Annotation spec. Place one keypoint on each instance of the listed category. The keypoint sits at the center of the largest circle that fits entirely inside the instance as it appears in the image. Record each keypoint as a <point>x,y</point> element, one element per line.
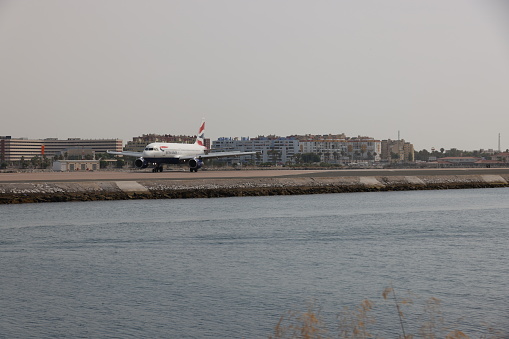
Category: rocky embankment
<point>16,192</point>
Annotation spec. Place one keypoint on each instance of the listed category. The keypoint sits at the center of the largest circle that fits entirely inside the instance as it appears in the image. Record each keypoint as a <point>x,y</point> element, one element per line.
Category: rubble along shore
<point>34,192</point>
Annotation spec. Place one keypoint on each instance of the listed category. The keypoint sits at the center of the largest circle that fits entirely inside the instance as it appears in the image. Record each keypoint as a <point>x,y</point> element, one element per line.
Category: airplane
<point>159,153</point>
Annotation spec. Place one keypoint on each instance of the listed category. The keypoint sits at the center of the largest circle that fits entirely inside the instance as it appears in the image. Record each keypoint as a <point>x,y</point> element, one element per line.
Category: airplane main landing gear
<point>157,169</point>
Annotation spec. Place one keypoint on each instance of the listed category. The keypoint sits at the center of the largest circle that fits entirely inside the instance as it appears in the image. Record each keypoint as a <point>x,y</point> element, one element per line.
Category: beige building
<point>340,149</point>
<point>75,165</point>
<point>13,149</point>
<point>397,151</point>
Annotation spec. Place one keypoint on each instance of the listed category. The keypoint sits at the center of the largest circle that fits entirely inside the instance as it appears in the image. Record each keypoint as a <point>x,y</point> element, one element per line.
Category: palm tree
<point>274,155</point>
<point>298,158</point>
<point>357,154</point>
<point>22,162</point>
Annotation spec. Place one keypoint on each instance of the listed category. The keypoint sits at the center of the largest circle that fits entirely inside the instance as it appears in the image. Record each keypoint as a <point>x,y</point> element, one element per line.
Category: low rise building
<point>75,165</point>
<point>458,160</point>
<point>469,162</point>
<point>502,157</point>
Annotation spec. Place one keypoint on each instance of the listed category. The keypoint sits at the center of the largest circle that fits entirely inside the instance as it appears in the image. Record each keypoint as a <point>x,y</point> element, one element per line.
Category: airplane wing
<point>217,155</point>
<point>129,154</point>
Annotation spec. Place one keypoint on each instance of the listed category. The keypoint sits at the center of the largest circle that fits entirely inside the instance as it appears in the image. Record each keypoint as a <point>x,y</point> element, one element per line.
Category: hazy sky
<point>436,70</point>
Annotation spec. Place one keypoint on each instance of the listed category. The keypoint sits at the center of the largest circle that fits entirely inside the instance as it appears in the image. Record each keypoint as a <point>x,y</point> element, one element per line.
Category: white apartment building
<point>334,149</point>
<point>339,151</point>
<point>271,149</point>
<point>364,148</point>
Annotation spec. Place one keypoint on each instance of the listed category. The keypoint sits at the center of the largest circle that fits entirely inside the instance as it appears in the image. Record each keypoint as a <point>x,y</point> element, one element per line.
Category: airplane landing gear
<point>157,169</point>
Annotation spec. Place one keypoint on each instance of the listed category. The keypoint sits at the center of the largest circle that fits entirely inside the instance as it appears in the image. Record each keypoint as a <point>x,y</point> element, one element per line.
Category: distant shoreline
<point>96,186</point>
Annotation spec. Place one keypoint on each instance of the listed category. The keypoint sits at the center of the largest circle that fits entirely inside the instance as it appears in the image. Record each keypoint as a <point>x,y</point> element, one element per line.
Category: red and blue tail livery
<point>201,135</point>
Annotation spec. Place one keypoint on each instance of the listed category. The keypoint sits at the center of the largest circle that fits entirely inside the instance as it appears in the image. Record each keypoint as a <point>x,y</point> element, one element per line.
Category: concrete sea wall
<point>32,192</point>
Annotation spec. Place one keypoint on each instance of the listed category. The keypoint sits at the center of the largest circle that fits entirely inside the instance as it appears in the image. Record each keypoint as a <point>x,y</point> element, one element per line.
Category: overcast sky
<point>435,70</point>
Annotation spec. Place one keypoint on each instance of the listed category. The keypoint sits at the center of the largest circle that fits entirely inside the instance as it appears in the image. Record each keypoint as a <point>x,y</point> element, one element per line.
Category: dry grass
<point>307,325</point>
<point>358,323</point>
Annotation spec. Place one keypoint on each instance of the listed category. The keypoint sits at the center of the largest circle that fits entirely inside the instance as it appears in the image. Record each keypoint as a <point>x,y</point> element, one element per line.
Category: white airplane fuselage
<point>171,153</point>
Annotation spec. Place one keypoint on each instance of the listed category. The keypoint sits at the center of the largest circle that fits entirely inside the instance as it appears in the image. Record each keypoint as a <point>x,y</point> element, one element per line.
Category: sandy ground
<point>180,175</point>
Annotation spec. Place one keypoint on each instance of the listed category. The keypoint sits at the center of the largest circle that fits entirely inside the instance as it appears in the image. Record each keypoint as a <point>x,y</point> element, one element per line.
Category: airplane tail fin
<point>200,138</point>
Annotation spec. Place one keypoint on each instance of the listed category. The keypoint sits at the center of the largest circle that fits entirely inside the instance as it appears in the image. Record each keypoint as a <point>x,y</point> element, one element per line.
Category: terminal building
<point>16,149</point>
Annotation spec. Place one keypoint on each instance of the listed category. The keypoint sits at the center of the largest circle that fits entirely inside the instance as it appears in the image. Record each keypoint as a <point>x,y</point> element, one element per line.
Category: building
<point>397,151</point>
<point>270,149</point>
<point>364,148</point>
<point>138,143</point>
<point>498,160</point>
<point>503,157</point>
<point>458,161</point>
<point>487,151</point>
<point>75,165</point>
<point>16,149</point>
<point>334,149</point>
<point>338,149</point>
<point>331,148</point>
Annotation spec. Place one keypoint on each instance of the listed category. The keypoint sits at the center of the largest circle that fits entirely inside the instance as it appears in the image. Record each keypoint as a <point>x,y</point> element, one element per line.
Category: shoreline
<point>62,187</point>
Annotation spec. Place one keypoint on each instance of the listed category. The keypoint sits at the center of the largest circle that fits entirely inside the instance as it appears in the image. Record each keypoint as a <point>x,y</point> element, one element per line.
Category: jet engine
<point>195,164</point>
<point>141,163</point>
